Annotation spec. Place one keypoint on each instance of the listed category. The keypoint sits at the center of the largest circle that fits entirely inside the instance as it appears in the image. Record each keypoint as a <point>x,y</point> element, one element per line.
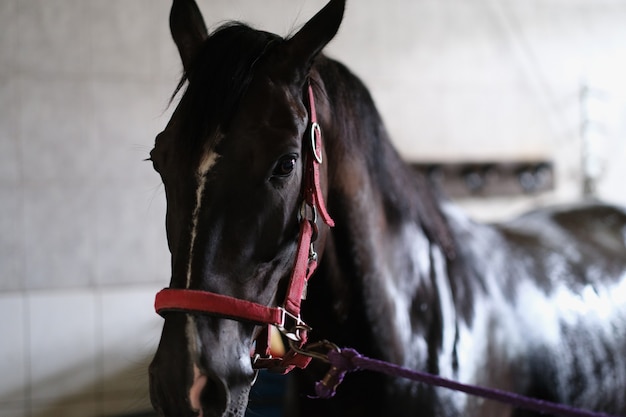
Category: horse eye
<point>284,166</point>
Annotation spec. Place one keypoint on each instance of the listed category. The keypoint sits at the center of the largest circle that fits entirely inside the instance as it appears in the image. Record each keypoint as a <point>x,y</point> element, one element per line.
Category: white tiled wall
<point>83,91</point>
<point>14,354</point>
<point>84,86</point>
<point>80,352</point>
<point>59,321</point>
<point>82,95</point>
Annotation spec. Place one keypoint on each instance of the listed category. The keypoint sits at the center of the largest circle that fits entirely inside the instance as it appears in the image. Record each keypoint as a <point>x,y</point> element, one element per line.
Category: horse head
<point>232,161</point>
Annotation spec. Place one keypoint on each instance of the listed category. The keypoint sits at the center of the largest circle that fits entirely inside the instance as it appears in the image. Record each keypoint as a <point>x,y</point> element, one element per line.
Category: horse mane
<point>407,193</point>
<point>219,76</point>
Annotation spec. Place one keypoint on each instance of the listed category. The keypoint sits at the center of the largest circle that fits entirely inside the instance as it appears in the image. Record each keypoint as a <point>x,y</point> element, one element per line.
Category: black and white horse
<point>536,306</point>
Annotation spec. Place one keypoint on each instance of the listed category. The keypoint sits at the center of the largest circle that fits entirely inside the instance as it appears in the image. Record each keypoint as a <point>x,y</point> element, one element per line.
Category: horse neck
<point>375,200</point>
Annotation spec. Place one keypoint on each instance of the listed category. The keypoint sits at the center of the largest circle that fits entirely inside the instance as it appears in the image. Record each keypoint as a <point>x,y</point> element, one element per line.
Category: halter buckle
<point>292,326</point>
<point>307,212</point>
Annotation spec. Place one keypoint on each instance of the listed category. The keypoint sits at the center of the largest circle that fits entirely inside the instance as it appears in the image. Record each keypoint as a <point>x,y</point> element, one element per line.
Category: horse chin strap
<point>286,317</point>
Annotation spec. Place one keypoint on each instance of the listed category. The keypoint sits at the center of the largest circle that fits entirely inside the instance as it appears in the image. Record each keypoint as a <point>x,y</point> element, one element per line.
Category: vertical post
<point>593,133</point>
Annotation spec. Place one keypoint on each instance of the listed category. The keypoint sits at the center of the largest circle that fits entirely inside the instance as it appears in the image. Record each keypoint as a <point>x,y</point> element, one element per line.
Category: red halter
<point>286,317</point>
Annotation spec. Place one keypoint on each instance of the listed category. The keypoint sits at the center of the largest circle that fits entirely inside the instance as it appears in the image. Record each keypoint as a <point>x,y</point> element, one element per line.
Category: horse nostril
<point>195,392</point>
<point>208,394</point>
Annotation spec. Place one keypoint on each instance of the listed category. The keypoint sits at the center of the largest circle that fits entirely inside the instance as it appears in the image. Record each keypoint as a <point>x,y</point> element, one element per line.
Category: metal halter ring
<point>316,131</point>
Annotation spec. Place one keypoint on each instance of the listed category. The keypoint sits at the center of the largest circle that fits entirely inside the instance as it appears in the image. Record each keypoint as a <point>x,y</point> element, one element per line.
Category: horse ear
<point>308,42</point>
<point>188,29</point>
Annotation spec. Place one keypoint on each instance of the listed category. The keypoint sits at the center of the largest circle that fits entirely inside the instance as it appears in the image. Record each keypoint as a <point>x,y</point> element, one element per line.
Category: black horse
<point>536,306</point>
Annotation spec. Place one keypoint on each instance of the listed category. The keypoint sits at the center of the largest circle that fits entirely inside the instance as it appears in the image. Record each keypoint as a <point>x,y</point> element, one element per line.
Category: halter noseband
<point>286,317</point>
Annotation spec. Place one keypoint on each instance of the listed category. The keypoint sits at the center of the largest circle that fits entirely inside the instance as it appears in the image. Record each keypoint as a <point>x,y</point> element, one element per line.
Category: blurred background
<point>84,89</point>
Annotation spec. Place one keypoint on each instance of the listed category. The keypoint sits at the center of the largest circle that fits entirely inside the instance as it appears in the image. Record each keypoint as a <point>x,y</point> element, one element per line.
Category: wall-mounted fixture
<point>489,178</point>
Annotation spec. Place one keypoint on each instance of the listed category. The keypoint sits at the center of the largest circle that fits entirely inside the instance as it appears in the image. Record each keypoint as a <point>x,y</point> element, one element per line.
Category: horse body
<point>551,305</point>
<point>535,306</point>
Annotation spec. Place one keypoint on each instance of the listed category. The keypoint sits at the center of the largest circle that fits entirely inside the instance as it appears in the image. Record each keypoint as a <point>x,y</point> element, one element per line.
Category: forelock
<point>219,77</point>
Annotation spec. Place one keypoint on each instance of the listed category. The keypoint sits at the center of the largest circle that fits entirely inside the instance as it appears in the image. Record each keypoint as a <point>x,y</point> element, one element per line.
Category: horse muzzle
<point>203,394</point>
<point>206,380</point>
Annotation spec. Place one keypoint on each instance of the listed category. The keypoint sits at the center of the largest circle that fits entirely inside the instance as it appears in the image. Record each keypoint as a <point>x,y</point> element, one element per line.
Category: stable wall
<point>84,86</point>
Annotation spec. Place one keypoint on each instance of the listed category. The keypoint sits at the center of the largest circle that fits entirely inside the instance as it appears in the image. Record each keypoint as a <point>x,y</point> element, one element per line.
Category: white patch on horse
<point>207,162</point>
<point>448,313</point>
<point>494,321</point>
<point>594,314</point>
<point>199,380</point>
<point>401,288</point>
<point>194,345</point>
<point>425,258</point>
<point>414,259</point>
<point>594,307</point>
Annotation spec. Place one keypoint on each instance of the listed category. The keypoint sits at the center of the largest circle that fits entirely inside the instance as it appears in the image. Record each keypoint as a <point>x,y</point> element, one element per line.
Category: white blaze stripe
<point>208,160</point>
<point>206,163</point>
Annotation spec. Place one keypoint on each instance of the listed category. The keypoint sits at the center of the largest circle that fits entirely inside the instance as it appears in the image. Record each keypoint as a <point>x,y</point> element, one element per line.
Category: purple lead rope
<point>349,360</point>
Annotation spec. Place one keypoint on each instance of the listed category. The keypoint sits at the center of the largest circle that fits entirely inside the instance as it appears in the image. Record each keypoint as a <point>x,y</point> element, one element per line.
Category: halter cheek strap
<point>286,317</point>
